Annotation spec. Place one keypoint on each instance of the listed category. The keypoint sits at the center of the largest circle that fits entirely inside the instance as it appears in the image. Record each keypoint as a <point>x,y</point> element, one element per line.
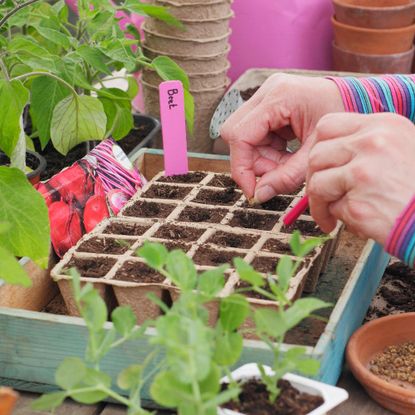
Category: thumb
<point>285,178</point>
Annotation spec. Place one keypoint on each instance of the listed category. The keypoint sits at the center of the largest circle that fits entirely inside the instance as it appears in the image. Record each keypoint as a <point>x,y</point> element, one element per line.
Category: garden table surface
<point>359,403</point>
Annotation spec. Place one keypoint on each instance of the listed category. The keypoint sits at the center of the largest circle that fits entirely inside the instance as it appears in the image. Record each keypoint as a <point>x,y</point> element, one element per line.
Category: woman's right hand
<point>285,107</point>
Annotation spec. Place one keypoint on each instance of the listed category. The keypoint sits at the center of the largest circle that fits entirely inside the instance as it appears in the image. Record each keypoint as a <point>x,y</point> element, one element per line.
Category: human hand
<point>361,171</point>
<point>285,107</point>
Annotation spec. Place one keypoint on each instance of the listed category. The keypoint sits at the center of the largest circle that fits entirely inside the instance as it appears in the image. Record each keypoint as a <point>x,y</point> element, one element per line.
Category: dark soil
<point>222,181</point>
<point>253,220</point>
<point>254,294</point>
<point>254,400</point>
<point>167,192</point>
<point>396,293</point>
<point>248,93</point>
<point>278,203</point>
<point>193,177</point>
<point>276,247</point>
<point>181,233</point>
<point>233,240</point>
<point>305,227</point>
<point>92,268</point>
<point>265,264</point>
<point>56,306</point>
<point>125,228</point>
<point>135,136</point>
<point>171,245</point>
<point>214,197</point>
<point>149,210</point>
<point>195,214</point>
<point>134,271</point>
<point>105,246</point>
<point>213,257</point>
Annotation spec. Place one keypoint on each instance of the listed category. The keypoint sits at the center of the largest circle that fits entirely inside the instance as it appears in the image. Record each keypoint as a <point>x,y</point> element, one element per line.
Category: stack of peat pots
<point>201,49</point>
<point>373,36</point>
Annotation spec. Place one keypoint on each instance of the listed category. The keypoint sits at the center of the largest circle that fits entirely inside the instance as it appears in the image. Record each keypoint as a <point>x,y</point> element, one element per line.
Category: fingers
<point>339,125</point>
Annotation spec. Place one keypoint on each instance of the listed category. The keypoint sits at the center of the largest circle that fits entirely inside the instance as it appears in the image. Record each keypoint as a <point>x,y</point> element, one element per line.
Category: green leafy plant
<point>58,67</point>
<point>271,325</point>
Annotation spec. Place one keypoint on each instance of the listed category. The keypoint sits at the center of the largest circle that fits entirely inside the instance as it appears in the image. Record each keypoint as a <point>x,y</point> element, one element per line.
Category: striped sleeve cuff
<point>388,93</point>
<point>401,241</point>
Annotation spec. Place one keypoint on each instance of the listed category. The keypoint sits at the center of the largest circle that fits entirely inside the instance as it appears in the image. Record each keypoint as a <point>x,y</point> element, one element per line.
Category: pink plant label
<point>173,128</point>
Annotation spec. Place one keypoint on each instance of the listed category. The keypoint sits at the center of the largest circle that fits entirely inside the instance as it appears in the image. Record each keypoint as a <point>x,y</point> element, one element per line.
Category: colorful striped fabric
<point>388,93</point>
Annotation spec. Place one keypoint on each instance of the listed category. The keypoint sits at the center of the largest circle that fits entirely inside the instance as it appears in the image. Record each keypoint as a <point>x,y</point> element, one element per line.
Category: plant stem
<point>4,69</point>
<point>15,10</point>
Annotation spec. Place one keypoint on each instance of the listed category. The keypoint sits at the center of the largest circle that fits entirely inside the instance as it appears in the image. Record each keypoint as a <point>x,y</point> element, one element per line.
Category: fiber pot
<point>373,41</point>
<point>171,45</point>
<point>344,60</point>
<point>373,338</point>
<point>348,12</point>
<point>332,395</point>
<point>379,3</point>
<point>34,161</point>
<point>202,11</point>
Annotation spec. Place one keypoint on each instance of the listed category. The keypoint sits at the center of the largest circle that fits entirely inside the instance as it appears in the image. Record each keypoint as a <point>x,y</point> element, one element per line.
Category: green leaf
<point>155,254</point>
<point>120,50</point>
<point>309,367</point>
<point>228,348</point>
<point>77,119</point>
<point>234,309</point>
<point>13,98</point>
<point>48,401</point>
<point>211,282</point>
<point>70,373</point>
<point>285,271</point>
<point>94,57</point>
<point>167,391</point>
<point>54,36</point>
<point>189,108</point>
<point>124,320</point>
<point>169,70</point>
<point>295,243</point>
<point>181,270</point>
<point>24,209</point>
<point>270,322</point>
<point>11,271</point>
<point>130,377</point>
<point>46,93</point>
<point>310,244</point>
<point>248,274</point>
<point>93,378</point>
<point>93,310</point>
<point>132,90</point>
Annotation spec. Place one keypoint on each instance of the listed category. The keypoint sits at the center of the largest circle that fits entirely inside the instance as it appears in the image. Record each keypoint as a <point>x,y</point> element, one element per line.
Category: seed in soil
<point>277,203</point>
<point>167,192</point>
<point>134,271</point>
<point>213,197</point>
<point>252,220</point>
<point>192,177</point>
<point>92,268</point>
<point>222,180</point>
<point>307,228</point>
<point>396,364</point>
<point>112,246</point>
<point>195,214</point>
<point>126,228</point>
<point>213,257</point>
<point>233,240</point>
<point>254,400</point>
<point>276,246</point>
<point>182,233</point>
<point>149,210</point>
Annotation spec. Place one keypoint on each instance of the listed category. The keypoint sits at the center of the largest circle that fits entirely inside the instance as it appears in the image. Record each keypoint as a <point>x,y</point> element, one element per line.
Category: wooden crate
<point>32,344</point>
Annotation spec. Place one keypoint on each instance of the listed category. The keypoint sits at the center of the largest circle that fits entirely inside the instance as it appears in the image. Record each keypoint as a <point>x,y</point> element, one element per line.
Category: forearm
<point>401,241</point>
<point>388,93</point>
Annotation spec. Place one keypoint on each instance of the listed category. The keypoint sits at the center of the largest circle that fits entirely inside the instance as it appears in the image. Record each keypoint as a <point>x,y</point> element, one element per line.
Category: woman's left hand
<point>362,172</point>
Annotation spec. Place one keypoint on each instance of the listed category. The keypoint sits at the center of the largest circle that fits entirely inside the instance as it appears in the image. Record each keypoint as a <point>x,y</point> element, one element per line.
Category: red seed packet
<point>92,189</point>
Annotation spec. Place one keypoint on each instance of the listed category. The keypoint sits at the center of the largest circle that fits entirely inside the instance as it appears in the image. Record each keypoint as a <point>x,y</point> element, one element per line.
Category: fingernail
<point>264,193</point>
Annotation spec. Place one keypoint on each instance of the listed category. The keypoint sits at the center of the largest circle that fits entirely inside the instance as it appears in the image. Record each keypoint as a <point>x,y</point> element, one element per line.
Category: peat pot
<point>373,338</point>
<point>202,10</point>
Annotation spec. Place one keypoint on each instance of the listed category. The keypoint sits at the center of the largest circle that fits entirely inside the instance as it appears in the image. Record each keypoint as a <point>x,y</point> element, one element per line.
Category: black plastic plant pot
<point>34,161</point>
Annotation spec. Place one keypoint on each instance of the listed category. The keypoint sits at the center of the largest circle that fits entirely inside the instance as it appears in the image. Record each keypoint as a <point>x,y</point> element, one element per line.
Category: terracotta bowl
<point>377,3</point>
<point>373,338</point>
<point>373,41</point>
<point>374,17</point>
<point>344,60</point>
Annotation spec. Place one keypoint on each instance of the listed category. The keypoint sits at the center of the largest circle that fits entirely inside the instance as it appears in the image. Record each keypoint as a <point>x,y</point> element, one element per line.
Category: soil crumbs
<point>253,220</point>
<point>278,203</point>
<point>276,246</point>
<point>307,228</point>
<point>92,268</point>
<point>124,228</point>
<point>213,197</point>
<point>222,181</point>
<point>192,177</point>
<point>233,240</point>
<point>212,257</point>
<point>182,233</point>
<point>105,246</point>
<point>254,400</point>
<point>195,214</point>
<point>167,192</point>
<point>134,271</point>
<point>396,364</point>
<point>149,210</point>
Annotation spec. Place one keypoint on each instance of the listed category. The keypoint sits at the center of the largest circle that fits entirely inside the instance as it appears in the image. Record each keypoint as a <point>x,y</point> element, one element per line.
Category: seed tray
<point>207,212</point>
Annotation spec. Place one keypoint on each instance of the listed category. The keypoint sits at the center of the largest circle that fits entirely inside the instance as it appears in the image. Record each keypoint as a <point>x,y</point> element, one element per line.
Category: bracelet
<point>401,240</point>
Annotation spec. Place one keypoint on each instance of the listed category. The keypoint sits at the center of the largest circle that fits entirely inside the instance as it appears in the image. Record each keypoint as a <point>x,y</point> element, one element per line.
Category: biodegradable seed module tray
<point>205,215</point>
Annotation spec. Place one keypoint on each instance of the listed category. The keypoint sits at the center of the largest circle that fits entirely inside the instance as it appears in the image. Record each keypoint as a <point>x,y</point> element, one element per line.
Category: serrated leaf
<point>234,309</point>
<point>70,373</point>
<point>130,377</point>
<point>24,209</point>
<point>247,273</point>
<point>11,271</point>
<point>155,254</point>
<point>48,401</point>
<point>46,93</point>
<point>124,320</point>
<point>13,98</point>
<point>75,120</point>
<point>94,57</point>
